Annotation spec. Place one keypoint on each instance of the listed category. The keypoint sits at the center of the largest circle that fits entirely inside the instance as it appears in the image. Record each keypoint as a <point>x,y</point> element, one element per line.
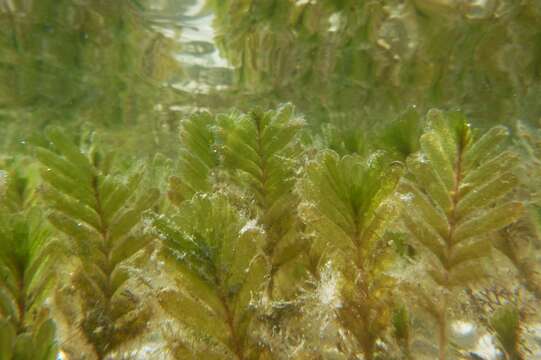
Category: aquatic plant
<point>26,329</point>
<point>80,61</point>
<point>250,157</point>
<point>27,271</point>
<point>221,271</point>
<point>273,242</point>
<point>197,158</point>
<point>99,213</point>
<point>260,152</point>
<point>347,209</point>
<point>506,324</point>
<point>343,61</point>
<point>351,227</point>
<point>457,194</point>
<point>401,322</point>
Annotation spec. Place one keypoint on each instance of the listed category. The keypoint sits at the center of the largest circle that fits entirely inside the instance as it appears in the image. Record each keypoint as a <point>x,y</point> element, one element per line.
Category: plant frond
<point>222,272</point>
<point>457,194</point>
<point>346,202</point>
<point>458,190</point>
<point>261,151</point>
<point>506,323</point>
<point>27,277</point>
<point>100,213</point>
<point>197,158</point>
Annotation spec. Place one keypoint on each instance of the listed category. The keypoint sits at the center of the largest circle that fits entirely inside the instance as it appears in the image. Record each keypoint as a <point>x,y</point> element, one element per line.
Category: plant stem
<point>442,330</point>
<point>237,345</point>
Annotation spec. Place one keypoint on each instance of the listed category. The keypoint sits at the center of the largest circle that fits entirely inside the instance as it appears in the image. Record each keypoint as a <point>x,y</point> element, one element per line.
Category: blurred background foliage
<point>73,61</point>
<point>142,63</point>
<point>365,60</point>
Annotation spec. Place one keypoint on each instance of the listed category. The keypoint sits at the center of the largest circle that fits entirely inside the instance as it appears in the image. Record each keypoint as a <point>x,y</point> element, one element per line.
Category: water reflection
<point>190,25</point>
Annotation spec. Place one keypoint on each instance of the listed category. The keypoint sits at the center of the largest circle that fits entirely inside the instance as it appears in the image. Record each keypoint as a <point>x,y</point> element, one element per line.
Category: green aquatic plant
<point>457,195</point>
<point>260,180</point>
<point>260,152</point>
<point>81,60</point>
<point>506,323</point>
<point>347,209</point>
<point>273,242</point>
<point>516,243</point>
<point>217,253</point>
<point>27,273</point>
<point>401,136</point>
<point>340,60</point>
<point>99,212</point>
<point>19,179</point>
<point>197,158</point>
<point>344,140</point>
<point>401,323</point>
<point>26,330</point>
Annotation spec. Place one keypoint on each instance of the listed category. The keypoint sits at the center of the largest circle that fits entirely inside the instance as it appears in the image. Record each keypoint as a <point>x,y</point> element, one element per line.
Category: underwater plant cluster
<point>160,197</point>
<point>260,239</point>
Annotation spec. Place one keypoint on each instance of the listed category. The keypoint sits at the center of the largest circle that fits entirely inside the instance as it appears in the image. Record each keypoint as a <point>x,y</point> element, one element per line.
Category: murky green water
<point>117,63</point>
<point>86,81</point>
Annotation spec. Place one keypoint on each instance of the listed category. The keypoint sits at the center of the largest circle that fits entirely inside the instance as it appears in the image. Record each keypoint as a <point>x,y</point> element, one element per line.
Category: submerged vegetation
<point>270,244</point>
<point>144,217</point>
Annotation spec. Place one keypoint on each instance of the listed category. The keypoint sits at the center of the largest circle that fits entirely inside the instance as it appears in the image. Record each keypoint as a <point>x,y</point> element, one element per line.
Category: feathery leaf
<point>457,193</point>
<point>99,212</point>
<point>220,267</point>
<point>346,205</point>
